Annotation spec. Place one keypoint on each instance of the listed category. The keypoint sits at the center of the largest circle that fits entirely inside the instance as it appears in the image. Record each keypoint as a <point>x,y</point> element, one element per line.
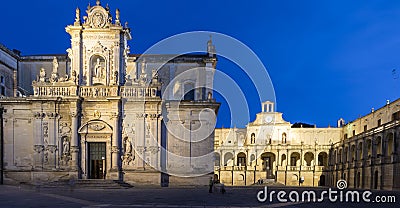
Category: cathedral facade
<point>99,112</point>
<point>270,150</point>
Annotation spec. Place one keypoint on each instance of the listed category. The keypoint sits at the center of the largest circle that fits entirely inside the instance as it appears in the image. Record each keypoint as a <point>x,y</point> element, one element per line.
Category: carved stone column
<point>74,141</point>
<point>115,143</point>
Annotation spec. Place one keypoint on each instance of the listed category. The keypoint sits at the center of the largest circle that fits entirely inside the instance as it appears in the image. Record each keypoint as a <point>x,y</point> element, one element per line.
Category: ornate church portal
<point>96,143</point>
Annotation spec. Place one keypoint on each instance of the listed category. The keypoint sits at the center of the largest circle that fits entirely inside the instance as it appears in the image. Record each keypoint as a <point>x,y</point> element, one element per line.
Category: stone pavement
<point>14,196</point>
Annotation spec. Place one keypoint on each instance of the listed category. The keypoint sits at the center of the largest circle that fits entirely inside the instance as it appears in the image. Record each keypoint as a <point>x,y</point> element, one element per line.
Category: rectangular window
<point>365,128</point>
<point>345,136</point>
<point>379,122</point>
<point>354,132</point>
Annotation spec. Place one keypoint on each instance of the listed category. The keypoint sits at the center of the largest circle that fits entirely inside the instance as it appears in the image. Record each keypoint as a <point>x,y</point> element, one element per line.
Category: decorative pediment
<point>95,126</point>
<point>98,16</point>
<point>98,48</point>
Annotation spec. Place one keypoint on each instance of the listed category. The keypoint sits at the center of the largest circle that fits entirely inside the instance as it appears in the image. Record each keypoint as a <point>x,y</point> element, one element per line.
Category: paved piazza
<point>14,196</point>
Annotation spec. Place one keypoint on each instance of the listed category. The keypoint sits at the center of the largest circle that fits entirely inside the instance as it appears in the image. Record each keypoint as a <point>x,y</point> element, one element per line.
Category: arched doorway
<point>268,159</point>
<point>322,180</point>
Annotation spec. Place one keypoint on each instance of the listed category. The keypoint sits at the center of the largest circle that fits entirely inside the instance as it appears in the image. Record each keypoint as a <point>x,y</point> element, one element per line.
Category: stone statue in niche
<point>128,146</point>
<point>115,77</point>
<point>128,157</point>
<point>98,69</point>
<point>65,145</point>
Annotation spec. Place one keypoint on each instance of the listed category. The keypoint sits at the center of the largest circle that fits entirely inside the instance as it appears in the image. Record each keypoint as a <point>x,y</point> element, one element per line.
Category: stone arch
<point>268,163</point>
<point>217,159</point>
<point>322,159</point>
<point>360,151</point>
<point>345,154</point>
<point>228,158</point>
<point>378,146</point>
<point>340,155</point>
<point>369,147</point>
<point>283,159</point>
<point>353,152</point>
<point>390,144</point>
<point>294,159</point>
<point>309,158</point>
<point>241,159</point>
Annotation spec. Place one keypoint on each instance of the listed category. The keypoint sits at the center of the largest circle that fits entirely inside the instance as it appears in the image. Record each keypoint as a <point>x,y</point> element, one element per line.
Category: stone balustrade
<point>54,91</point>
<point>138,92</point>
<point>94,91</point>
<point>98,91</point>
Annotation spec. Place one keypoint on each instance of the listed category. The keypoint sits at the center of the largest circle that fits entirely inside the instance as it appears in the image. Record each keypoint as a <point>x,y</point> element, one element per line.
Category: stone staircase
<point>87,184</point>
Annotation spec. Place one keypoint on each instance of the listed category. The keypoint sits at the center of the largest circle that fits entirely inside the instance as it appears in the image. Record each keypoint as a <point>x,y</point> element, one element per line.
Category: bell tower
<point>99,47</point>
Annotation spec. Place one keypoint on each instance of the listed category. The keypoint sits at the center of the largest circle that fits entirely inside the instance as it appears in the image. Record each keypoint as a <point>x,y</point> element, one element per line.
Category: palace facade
<point>364,152</point>
<point>99,112</point>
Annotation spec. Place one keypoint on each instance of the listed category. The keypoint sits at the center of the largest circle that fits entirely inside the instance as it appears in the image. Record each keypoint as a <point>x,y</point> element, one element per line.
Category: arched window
<point>294,158</point>
<point>241,159</point>
<point>228,158</point>
<point>309,157</point>
<point>322,159</point>
<point>253,138</point>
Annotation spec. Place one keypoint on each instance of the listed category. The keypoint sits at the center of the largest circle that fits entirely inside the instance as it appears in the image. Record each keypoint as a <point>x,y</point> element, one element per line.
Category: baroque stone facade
<point>364,152</point>
<point>99,112</point>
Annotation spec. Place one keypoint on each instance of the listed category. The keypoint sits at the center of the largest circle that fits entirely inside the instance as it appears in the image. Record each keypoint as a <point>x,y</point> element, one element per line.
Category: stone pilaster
<point>38,138</point>
<point>115,150</point>
<point>74,141</point>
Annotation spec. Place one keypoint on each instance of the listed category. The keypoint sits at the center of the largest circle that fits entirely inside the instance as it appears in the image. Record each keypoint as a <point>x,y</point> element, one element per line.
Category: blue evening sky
<point>326,59</point>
